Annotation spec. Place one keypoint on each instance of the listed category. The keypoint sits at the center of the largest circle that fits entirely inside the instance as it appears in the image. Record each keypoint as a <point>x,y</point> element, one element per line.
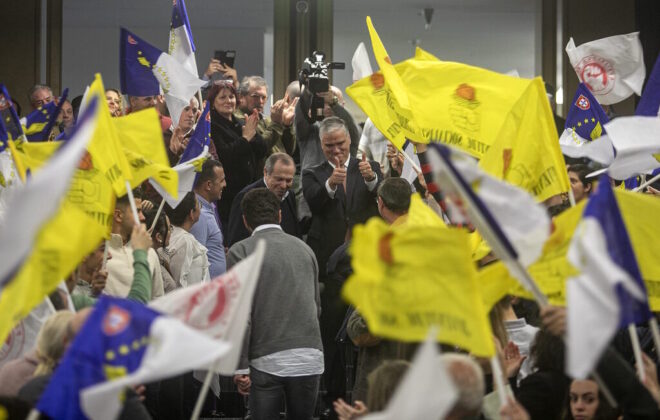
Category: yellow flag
<point>551,271</point>
<point>141,138</point>
<point>419,214</point>
<point>526,151</point>
<point>409,278</point>
<point>105,147</point>
<point>89,189</point>
<point>61,244</point>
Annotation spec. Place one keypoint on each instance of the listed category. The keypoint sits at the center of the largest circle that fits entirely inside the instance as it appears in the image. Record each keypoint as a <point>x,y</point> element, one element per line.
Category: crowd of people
<point>302,184</point>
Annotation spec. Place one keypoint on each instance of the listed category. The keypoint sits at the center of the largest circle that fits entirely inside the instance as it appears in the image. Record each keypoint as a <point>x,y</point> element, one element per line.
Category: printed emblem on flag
<point>377,80</point>
<point>201,314</point>
<point>13,345</point>
<point>131,40</point>
<point>463,112</point>
<point>116,320</point>
<point>208,117</point>
<point>4,103</point>
<point>582,103</point>
<point>597,73</point>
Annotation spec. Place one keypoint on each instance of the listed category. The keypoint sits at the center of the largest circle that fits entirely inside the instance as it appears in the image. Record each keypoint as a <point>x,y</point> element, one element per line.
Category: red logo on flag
<point>582,103</point>
<point>4,103</point>
<point>208,117</point>
<point>131,40</point>
<point>597,73</point>
<point>116,320</point>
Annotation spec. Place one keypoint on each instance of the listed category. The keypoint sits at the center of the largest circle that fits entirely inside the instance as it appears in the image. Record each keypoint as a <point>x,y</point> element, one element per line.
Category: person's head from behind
<point>382,383</point>
<point>278,173</point>
<point>254,94</point>
<point>580,184</point>
<point>186,214</point>
<point>160,235</point>
<point>222,97</point>
<point>260,207</point>
<point>293,90</point>
<point>211,181</point>
<point>393,198</point>
<point>547,352</point>
<point>40,95</point>
<point>468,378</point>
<point>138,103</point>
<point>52,341</point>
<point>123,219</point>
<point>586,402</point>
<point>335,140</point>
<point>189,115</point>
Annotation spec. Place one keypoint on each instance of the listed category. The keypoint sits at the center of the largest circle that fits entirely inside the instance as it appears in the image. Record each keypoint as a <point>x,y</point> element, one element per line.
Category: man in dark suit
<point>278,178</point>
<point>341,192</point>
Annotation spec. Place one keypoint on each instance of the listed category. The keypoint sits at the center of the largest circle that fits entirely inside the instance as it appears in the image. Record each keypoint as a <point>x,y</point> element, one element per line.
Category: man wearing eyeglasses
<point>277,130</point>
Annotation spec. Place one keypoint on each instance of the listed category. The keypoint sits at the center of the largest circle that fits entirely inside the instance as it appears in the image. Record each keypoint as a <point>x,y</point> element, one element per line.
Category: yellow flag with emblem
<point>90,190</point>
<point>409,278</point>
<point>141,138</point>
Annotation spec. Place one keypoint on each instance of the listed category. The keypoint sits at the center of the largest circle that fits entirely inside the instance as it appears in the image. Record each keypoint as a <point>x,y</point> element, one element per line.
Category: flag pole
<point>131,199</point>
<point>604,389</point>
<point>571,197</point>
<point>647,183</point>
<point>105,254</point>
<point>411,162</point>
<point>498,378</point>
<point>160,209</point>
<point>655,332</point>
<point>202,392</point>
<point>637,351</point>
<point>33,415</point>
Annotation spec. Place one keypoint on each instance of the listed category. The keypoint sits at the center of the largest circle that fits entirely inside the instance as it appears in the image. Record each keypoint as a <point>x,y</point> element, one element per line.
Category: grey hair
<point>36,88</point>
<point>468,379</point>
<point>277,157</point>
<point>244,87</point>
<point>331,124</point>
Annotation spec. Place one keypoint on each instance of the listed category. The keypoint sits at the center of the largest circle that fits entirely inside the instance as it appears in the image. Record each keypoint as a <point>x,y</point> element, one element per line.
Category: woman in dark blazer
<point>238,145</point>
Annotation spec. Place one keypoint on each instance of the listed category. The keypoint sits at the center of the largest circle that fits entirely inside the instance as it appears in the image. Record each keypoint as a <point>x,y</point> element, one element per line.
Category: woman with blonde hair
<point>52,341</point>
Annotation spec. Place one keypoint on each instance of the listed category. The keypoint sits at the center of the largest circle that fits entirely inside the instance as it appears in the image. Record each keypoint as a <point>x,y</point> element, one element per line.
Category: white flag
<point>23,338</point>
<point>426,391</point>
<point>408,172</point>
<point>612,68</point>
<point>220,308</point>
<point>636,140</point>
<point>360,63</point>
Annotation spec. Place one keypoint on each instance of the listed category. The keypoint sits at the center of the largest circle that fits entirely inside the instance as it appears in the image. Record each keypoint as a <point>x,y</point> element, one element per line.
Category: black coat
<point>331,217</point>
<point>238,157</point>
<point>236,230</point>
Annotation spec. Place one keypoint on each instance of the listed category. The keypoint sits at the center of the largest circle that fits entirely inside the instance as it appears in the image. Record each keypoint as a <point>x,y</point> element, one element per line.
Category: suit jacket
<point>331,217</point>
<point>236,230</point>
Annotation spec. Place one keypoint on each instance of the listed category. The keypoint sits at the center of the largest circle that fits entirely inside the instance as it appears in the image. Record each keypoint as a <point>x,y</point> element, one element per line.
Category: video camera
<point>314,76</point>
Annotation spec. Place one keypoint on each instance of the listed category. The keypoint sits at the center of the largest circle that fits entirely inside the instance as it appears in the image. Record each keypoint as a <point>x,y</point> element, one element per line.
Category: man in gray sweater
<point>282,346</point>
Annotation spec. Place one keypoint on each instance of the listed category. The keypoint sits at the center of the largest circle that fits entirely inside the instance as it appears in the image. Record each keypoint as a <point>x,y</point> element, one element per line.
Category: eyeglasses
<point>257,96</point>
<point>42,102</point>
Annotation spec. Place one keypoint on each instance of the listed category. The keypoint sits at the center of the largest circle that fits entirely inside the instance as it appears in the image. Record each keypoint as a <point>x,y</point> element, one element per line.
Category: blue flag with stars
<point>123,343</point>
<point>200,138</point>
<point>10,125</point>
<point>649,103</point>
<point>585,119</point>
<point>40,122</point>
<point>180,19</point>
<point>137,59</point>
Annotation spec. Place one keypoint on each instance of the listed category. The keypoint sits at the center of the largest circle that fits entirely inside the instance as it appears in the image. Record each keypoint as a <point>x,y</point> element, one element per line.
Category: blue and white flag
<point>501,212</point>
<point>122,343</point>
<point>584,122</point>
<point>10,124</point>
<point>144,70</point>
<point>649,103</point>
<point>200,138</point>
<point>609,293</point>
<point>39,123</point>
<point>181,46</point>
